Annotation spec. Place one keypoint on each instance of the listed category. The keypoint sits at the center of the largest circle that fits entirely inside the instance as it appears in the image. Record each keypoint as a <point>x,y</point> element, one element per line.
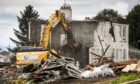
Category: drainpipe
<point>29,30</point>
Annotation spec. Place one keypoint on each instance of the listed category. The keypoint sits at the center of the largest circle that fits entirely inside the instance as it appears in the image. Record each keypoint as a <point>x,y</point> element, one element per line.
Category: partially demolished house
<point>114,38</point>
<point>4,56</point>
<point>93,36</point>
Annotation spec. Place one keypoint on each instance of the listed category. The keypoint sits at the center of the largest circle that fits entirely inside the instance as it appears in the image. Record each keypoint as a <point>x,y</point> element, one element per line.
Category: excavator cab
<point>32,55</point>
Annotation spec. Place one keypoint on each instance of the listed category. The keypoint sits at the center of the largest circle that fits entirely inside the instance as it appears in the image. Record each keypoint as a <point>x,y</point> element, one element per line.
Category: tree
<point>13,59</point>
<point>15,49</point>
<point>109,14</point>
<point>22,34</point>
<point>133,18</point>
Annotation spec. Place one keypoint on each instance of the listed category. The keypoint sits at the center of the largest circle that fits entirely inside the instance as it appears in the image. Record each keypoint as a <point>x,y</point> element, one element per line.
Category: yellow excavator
<point>33,55</point>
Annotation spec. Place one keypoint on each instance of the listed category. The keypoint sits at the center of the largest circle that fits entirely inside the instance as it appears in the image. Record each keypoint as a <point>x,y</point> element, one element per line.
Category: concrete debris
<point>131,67</point>
<point>86,74</point>
<point>100,71</point>
<point>138,67</point>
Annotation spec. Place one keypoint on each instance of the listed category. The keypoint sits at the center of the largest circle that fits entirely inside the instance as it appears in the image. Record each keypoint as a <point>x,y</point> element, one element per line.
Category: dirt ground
<point>85,81</point>
<point>69,81</point>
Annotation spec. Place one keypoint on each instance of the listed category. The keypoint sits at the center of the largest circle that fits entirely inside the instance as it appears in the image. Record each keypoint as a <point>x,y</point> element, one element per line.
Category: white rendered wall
<point>118,49</point>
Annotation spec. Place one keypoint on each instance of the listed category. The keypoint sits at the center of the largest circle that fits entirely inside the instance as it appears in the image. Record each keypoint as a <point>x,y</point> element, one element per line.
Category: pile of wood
<point>118,66</point>
<point>51,69</point>
<point>103,60</point>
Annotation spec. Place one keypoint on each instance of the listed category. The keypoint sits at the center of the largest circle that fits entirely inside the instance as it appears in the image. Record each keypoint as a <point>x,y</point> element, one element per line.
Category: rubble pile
<point>110,69</point>
<point>56,67</point>
<point>7,71</point>
<point>102,61</point>
<point>4,64</point>
<point>10,72</point>
<point>118,66</point>
<point>132,67</point>
<point>52,69</point>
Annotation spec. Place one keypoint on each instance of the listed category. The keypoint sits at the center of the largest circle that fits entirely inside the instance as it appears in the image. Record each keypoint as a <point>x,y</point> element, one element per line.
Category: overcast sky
<point>9,9</point>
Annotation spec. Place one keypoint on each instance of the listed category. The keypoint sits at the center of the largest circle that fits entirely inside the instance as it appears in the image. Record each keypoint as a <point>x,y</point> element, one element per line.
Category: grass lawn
<point>125,77</point>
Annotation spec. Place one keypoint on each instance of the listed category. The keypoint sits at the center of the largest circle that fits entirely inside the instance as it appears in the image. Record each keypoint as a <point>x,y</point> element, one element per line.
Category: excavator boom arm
<point>52,22</point>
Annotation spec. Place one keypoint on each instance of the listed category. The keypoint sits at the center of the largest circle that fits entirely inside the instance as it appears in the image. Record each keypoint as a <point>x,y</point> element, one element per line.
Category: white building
<point>116,38</point>
<point>67,11</point>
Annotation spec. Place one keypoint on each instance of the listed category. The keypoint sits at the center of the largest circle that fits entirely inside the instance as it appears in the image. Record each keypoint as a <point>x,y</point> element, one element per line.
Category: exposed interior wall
<point>35,30</point>
<point>116,38</point>
<point>83,32</point>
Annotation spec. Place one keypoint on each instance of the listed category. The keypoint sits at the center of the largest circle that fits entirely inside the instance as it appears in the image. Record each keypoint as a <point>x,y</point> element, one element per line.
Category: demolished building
<point>5,56</point>
<point>94,36</point>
